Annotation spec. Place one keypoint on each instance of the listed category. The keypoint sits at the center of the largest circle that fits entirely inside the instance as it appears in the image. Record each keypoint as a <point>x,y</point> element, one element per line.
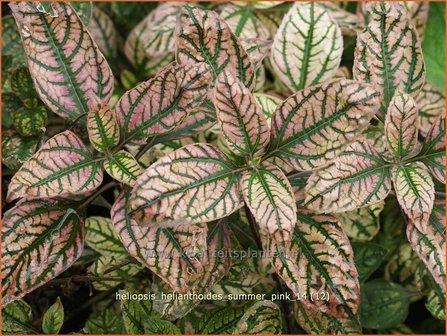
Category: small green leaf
<point>100,235</point>
<point>17,319</point>
<point>384,304</point>
<point>263,317</point>
<point>107,321</point>
<point>156,326</point>
<point>22,84</point>
<point>16,149</point>
<point>29,122</point>
<point>53,318</point>
<point>10,104</point>
<point>135,312</point>
<point>367,258</point>
<point>102,128</point>
<point>123,167</point>
<point>435,305</point>
<point>11,42</point>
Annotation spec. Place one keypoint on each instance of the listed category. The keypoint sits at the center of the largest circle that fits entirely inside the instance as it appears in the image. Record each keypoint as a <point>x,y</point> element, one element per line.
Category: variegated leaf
<point>307,47</point>
<point>431,104</point>
<point>150,44</point>
<point>257,49</point>
<point>435,305</point>
<point>401,125</point>
<point>135,311</point>
<point>244,22</point>
<point>418,11</point>
<point>122,166</point>
<point>69,72</point>
<point>319,259</point>
<point>403,268</point>
<point>388,53</point>
<point>349,22</point>
<point>268,104</point>
<point>105,321</point>
<point>433,150</point>
<point>104,33</point>
<point>202,36</point>
<point>103,131</point>
<point>22,84</point>
<point>17,319</point>
<point>161,103</point>
<point>63,166</point>
<point>357,178</point>
<point>29,122</point>
<point>196,183</point>
<point>315,321</point>
<point>41,239</point>
<point>258,4</point>
<point>243,283</point>
<point>312,127</point>
<point>243,125</point>
<point>53,318</point>
<point>16,149</point>
<point>263,317</point>
<point>429,245</point>
<point>362,224</point>
<point>100,236</point>
<point>269,196</point>
<point>11,43</point>
<point>415,192</point>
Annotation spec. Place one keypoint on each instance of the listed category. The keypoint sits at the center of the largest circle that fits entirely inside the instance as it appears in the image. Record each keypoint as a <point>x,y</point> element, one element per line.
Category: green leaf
<point>102,128</point>
<point>63,166</point>
<point>384,304</point>
<point>107,321</point>
<point>367,258</point>
<point>154,325</point>
<point>29,122</point>
<point>41,239</point>
<point>135,312</point>
<point>315,321</point>
<point>315,125</point>
<point>405,268</point>
<point>16,149</point>
<point>319,259</point>
<point>388,53</point>
<point>242,123</point>
<point>11,42</point>
<point>434,45</point>
<point>122,166</point>
<point>22,84</point>
<point>270,198</point>
<point>263,317</point>
<point>362,224</point>
<point>17,319</point>
<point>10,104</point>
<point>435,305</point>
<point>100,235</point>
<point>202,36</point>
<point>358,171</point>
<point>71,76</point>
<point>53,319</point>
<point>433,150</point>
<point>307,47</point>
<point>194,184</point>
<point>160,104</point>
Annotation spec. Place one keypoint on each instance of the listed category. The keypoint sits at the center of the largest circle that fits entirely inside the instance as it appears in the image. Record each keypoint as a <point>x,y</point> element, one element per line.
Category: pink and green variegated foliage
<point>218,152</point>
<point>70,74</point>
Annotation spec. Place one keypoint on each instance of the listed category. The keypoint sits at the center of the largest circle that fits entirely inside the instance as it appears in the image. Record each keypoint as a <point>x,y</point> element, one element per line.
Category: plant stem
<point>118,266</point>
<point>97,193</point>
<point>145,148</point>
<point>275,276</point>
